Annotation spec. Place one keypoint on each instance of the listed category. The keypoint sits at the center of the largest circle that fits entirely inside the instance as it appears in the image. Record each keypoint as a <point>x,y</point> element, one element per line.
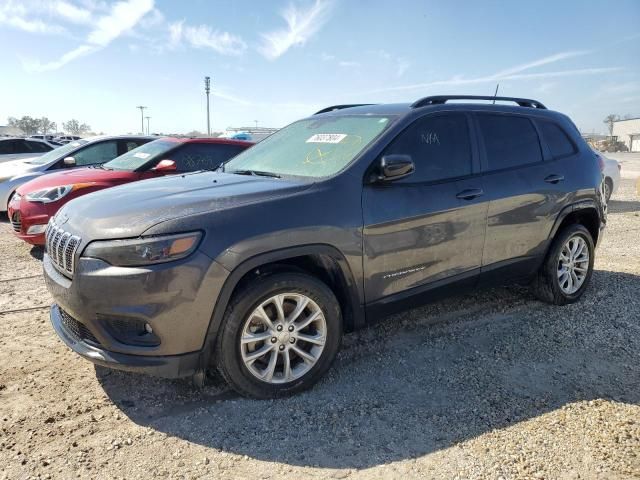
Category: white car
<point>17,148</point>
<point>611,174</point>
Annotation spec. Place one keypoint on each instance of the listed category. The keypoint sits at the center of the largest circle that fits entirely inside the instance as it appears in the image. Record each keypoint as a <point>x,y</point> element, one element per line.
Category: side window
<point>509,141</point>
<point>203,156</point>
<point>37,147</point>
<point>126,145</point>
<point>97,153</point>
<point>20,146</point>
<point>556,138</point>
<point>439,146</point>
<point>6,147</point>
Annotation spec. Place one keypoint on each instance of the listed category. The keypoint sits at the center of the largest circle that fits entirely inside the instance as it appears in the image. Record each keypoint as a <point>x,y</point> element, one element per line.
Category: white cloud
<point>16,15</point>
<point>202,36</point>
<point>542,61</point>
<point>402,65</point>
<point>70,12</point>
<point>348,63</point>
<point>302,24</point>
<point>121,18</point>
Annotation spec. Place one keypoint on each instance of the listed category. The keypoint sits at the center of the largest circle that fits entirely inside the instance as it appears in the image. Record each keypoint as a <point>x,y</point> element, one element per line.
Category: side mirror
<point>165,166</point>
<point>394,167</point>
<point>70,162</point>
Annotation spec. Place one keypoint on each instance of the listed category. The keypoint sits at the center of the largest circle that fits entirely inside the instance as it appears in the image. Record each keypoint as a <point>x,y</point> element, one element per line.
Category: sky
<point>277,61</point>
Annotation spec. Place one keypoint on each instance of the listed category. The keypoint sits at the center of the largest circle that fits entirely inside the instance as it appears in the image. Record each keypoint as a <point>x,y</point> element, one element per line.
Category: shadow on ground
<point>623,206</point>
<point>418,382</point>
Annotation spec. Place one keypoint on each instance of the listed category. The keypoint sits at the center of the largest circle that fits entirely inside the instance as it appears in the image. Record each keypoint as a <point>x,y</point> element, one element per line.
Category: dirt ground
<point>489,385</point>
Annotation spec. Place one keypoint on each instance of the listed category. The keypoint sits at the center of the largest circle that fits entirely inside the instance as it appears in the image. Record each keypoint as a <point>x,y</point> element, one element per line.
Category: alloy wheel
<point>573,264</point>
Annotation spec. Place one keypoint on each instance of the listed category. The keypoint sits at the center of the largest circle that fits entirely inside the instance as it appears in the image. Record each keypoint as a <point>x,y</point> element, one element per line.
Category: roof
<point>626,119</point>
<point>214,140</point>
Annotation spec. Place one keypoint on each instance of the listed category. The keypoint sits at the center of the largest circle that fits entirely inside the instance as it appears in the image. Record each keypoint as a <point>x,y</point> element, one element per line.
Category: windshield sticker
<point>142,155</point>
<point>327,138</point>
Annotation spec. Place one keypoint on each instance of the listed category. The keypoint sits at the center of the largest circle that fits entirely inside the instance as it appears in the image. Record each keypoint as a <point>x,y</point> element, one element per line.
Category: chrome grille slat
<point>16,222</point>
<point>61,248</point>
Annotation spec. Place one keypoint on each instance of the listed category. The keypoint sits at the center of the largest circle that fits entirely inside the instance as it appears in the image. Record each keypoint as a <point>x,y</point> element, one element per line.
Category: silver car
<point>79,153</point>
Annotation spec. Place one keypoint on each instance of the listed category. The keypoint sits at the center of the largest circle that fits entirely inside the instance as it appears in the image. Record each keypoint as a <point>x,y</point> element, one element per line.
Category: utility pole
<point>207,89</point>
<point>148,125</point>
<point>256,123</point>
<point>141,117</point>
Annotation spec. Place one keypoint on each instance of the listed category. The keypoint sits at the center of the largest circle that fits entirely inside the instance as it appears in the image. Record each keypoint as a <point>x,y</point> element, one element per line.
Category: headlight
<point>53,194</point>
<point>144,251</point>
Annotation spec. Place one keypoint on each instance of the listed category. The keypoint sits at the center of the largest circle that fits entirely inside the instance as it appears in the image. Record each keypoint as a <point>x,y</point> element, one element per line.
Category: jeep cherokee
<point>341,218</point>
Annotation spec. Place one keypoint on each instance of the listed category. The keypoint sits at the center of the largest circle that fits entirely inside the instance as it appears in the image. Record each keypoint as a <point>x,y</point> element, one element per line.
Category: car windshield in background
<point>136,158</point>
<point>57,153</point>
<point>315,147</point>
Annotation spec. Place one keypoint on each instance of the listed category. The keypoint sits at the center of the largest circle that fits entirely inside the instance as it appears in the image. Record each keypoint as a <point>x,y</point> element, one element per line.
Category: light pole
<point>207,89</point>
<point>141,117</point>
<point>148,125</point>
<point>256,123</point>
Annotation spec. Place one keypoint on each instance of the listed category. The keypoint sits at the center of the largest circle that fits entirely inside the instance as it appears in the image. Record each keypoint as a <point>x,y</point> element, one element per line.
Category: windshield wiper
<point>258,173</point>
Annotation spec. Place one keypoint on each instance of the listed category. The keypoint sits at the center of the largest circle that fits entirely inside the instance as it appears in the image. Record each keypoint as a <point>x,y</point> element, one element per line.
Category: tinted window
<point>203,156</point>
<point>37,147</point>
<point>439,146</point>
<point>509,141</point>
<point>556,139</point>
<point>6,147</point>
<point>97,153</point>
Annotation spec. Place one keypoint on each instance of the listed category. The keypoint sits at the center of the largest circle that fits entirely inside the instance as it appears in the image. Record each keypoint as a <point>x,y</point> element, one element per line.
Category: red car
<point>35,202</point>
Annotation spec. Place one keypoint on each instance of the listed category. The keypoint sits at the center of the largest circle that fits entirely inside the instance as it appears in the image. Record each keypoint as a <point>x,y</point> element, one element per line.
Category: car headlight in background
<point>144,251</point>
<point>52,194</point>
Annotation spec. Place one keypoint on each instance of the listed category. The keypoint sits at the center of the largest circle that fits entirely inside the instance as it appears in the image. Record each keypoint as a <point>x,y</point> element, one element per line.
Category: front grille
<point>61,247</point>
<point>16,222</point>
<point>78,330</point>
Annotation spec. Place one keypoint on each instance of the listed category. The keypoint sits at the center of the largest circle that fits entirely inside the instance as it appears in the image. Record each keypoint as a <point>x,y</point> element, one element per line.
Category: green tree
<point>46,125</point>
<point>27,124</point>
<point>74,127</point>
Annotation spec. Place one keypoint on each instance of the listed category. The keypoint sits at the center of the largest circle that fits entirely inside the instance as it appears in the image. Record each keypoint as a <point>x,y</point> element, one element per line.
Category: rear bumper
<point>171,366</point>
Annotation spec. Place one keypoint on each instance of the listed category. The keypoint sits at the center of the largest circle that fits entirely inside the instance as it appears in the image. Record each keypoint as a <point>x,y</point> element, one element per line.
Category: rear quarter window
<point>556,139</point>
<point>509,141</point>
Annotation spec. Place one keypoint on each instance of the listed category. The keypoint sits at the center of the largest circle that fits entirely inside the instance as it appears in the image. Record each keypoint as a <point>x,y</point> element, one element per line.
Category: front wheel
<point>279,336</point>
<point>567,270</point>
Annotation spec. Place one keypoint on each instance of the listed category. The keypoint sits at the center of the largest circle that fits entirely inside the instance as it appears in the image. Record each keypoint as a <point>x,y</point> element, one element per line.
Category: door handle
<point>470,194</point>
<point>554,178</point>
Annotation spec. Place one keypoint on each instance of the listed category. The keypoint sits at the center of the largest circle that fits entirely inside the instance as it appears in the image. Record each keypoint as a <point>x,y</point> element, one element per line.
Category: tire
<point>240,322</point>
<point>608,189</point>
<point>547,284</point>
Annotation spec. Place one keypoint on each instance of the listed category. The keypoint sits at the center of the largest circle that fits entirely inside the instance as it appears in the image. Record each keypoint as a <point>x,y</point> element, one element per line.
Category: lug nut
<point>274,339</point>
<point>281,347</point>
<point>279,328</point>
<point>292,340</point>
<point>291,328</point>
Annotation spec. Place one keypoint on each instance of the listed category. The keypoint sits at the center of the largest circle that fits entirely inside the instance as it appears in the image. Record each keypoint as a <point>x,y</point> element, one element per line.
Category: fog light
<point>148,328</point>
<point>35,229</point>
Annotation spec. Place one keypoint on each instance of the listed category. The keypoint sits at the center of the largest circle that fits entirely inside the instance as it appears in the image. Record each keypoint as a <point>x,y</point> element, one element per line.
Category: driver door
<point>427,228</point>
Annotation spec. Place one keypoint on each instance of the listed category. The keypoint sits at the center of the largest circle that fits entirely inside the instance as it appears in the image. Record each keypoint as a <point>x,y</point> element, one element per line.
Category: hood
<point>129,210</point>
<point>17,167</point>
<point>98,176</point>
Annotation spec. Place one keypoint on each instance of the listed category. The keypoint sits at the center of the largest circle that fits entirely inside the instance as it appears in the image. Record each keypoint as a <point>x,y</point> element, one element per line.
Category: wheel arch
<point>322,261</point>
<point>585,213</point>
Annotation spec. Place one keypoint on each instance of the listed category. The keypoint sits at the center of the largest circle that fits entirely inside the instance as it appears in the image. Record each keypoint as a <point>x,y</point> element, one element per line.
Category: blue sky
<point>281,60</point>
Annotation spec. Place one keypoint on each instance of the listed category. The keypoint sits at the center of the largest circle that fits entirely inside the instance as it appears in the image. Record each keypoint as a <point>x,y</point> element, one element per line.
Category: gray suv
<point>258,269</point>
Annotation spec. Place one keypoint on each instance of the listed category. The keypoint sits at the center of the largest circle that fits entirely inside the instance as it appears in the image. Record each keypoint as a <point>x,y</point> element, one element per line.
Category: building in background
<point>628,132</point>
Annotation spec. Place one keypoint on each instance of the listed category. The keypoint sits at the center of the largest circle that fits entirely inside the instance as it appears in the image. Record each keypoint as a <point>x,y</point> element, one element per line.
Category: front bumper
<point>175,299</point>
<point>172,366</point>
<point>24,214</point>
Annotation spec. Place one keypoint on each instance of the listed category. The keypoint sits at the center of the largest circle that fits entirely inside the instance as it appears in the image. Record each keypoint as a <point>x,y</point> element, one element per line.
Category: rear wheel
<point>567,270</point>
<point>608,189</point>
<point>279,336</point>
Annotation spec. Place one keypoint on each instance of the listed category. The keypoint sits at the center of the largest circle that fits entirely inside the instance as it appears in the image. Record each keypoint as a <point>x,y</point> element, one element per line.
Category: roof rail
<point>340,107</point>
<point>440,99</point>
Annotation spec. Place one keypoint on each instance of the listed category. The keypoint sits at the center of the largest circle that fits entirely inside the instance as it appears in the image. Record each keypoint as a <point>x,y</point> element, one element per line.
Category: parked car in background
<point>80,153</point>
<point>611,173</point>
<point>39,199</point>
<point>338,219</point>
<point>66,139</point>
<point>21,148</point>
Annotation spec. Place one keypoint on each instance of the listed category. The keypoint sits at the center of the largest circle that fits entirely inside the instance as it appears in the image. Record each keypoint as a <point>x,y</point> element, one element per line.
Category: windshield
<point>136,158</point>
<point>58,153</point>
<point>315,147</point>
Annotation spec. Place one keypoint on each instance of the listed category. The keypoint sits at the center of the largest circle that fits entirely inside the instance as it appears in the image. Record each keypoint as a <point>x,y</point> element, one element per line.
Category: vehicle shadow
<point>623,206</point>
<point>417,382</point>
<point>37,252</point>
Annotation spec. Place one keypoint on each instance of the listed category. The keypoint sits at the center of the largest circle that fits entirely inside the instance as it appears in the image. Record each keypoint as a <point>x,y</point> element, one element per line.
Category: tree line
<point>610,119</point>
<point>30,126</point>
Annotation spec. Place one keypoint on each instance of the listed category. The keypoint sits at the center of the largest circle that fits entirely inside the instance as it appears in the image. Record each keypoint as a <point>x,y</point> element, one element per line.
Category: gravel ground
<point>489,385</point>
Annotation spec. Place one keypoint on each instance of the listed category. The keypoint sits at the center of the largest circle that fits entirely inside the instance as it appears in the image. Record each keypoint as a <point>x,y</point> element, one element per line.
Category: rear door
<point>524,191</point>
<point>430,225</point>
